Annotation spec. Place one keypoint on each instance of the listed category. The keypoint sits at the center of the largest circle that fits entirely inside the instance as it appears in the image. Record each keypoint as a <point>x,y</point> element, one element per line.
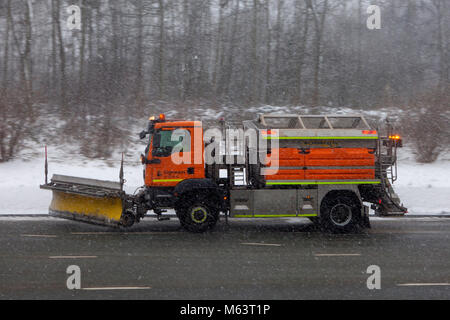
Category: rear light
<point>369,131</point>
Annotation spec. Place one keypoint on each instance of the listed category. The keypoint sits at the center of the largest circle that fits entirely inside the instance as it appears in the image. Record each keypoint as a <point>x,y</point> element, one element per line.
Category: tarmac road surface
<point>248,259</point>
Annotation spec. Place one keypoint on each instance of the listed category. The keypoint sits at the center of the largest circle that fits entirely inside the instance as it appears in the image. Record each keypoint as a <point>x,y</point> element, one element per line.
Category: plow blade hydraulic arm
<point>88,200</point>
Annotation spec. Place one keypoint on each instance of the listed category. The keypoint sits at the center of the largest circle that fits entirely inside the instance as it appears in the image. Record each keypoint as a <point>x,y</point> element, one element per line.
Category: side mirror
<point>154,161</point>
<point>142,134</point>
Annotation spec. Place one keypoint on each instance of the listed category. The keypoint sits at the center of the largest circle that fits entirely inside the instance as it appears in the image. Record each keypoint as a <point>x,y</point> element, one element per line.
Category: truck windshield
<point>164,142</point>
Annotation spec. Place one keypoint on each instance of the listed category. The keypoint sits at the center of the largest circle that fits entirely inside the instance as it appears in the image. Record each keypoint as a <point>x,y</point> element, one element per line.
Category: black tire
<point>340,213</point>
<point>127,219</point>
<point>179,213</point>
<point>198,213</point>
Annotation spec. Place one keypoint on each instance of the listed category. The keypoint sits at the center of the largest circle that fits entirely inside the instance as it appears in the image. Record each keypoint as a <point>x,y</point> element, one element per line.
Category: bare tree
<point>61,49</point>
<point>319,26</point>
<point>254,52</point>
<point>267,88</point>
<point>441,20</point>
<point>161,47</point>
<point>302,52</point>
<point>6,51</point>
<point>227,69</point>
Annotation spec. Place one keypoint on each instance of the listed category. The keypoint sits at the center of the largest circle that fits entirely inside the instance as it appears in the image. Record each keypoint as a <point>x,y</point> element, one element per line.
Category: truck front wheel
<point>340,213</point>
<point>199,215</point>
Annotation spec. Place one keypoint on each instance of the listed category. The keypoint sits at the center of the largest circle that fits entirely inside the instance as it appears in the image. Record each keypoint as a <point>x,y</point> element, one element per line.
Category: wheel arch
<point>327,191</point>
<point>194,186</point>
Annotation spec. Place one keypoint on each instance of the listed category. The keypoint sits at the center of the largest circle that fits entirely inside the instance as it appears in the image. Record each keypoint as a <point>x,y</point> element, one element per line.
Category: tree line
<point>129,54</point>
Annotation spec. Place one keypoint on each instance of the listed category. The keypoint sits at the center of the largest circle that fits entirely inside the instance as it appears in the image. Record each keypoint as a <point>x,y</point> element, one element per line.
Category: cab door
<point>171,158</point>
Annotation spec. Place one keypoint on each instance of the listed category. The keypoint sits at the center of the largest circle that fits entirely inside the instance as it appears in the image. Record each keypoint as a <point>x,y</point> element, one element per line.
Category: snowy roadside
<point>20,180</point>
<point>423,188</point>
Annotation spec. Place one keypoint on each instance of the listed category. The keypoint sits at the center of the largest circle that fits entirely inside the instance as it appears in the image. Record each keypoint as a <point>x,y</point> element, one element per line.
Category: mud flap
<point>365,221</point>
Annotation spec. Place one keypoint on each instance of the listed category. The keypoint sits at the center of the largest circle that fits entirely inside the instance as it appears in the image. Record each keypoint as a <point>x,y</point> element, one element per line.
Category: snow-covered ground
<point>20,179</point>
<point>423,188</point>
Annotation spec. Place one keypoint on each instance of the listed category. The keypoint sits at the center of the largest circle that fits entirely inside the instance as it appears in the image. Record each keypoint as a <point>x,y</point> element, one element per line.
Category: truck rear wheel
<point>340,213</point>
<point>198,214</point>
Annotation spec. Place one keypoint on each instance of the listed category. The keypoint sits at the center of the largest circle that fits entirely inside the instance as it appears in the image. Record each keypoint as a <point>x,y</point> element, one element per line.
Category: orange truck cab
<point>174,154</point>
<point>174,171</point>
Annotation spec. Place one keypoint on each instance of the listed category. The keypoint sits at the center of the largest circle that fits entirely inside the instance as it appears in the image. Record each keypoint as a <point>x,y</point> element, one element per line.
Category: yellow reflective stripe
<point>167,180</point>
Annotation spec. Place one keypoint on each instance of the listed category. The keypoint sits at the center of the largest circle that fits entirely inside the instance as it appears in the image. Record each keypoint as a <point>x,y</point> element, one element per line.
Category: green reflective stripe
<point>275,215</point>
<point>322,182</point>
<point>317,138</point>
<point>167,180</point>
<point>320,168</point>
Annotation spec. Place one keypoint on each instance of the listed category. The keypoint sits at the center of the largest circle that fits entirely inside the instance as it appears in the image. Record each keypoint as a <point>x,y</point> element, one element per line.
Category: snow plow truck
<point>327,168</point>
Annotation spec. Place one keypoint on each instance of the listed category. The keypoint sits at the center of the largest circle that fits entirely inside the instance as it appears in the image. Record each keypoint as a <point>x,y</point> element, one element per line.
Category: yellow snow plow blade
<point>86,208</point>
<point>88,200</point>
